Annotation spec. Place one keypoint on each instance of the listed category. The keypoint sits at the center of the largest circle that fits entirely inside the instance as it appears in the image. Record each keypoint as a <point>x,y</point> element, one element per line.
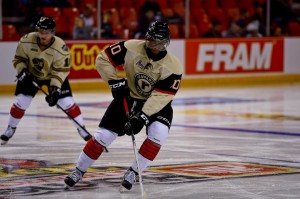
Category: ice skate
<point>129,179</point>
<point>10,131</point>
<point>73,178</point>
<point>84,134</point>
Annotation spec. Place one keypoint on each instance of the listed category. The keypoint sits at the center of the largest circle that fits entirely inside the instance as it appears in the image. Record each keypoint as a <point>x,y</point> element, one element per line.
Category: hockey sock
<point>93,149</point>
<point>89,155</point>
<point>75,113</point>
<point>16,115</point>
<point>149,149</point>
<point>147,153</point>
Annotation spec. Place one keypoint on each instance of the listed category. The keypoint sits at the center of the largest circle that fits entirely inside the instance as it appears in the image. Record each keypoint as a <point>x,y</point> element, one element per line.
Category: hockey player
<point>43,58</point>
<point>153,77</point>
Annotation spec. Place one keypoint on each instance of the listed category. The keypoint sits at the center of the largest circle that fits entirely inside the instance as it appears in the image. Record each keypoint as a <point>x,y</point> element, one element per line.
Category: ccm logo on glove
<point>119,89</point>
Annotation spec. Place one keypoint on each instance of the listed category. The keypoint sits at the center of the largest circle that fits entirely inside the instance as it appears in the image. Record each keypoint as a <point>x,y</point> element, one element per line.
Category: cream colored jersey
<point>52,64</point>
<point>155,79</point>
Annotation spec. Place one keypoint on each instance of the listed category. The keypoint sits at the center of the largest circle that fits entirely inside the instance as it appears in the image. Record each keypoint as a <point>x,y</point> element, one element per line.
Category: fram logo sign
<point>234,56</point>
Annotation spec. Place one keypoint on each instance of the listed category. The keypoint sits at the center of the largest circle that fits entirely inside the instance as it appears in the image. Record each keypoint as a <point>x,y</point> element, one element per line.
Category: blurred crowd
<point>77,19</point>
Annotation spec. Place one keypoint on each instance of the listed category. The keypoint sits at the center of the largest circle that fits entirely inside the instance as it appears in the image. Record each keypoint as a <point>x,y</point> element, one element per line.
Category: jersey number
<point>176,84</point>
<point>115,49</point>
<point>67,62</point>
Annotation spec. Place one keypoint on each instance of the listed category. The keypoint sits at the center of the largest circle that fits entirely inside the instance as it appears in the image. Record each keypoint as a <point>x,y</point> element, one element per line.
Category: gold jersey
<point>155,79</point>
<point>52,63</point>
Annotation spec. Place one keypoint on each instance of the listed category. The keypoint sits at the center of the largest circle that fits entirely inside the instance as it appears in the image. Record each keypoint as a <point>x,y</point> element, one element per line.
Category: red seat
<point>167,12</point>
<point>203,22</point>
<point>70,14</point>
<point>233,14</point>
<point>178,8</point>
<point>92,2</point>
<point>129,19</point>
<point>138,4</point>
<point>175,31</point>
<point>163,4</point>
<point>115,21</point>
<point>10,33</point>
<point>108,4</point>
<point>125,4</point>
<point>62,27</point>
<point>196,4</point>
<point>210,4</point>
<point>70,11</point>
<point>226,4</point>
<point>246,4</point>
<point>176,1</point>
<point>53,12</point>
<point>294,28</point>
<point>193,31</point>
<point>217,14</point>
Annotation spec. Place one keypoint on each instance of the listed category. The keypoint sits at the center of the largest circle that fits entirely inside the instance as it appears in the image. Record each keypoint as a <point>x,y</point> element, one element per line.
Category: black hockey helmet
<point>159,34</point>
<point>46,23</point>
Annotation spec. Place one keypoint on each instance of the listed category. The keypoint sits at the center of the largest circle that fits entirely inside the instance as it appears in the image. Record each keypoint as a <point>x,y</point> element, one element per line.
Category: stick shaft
<point>135,150</point>
<point>36,85</point>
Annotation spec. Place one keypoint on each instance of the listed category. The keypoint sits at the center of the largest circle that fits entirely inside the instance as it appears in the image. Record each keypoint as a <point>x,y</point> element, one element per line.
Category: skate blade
<point>3,142</point>
<point>67,187</point>
<point>123,189</point>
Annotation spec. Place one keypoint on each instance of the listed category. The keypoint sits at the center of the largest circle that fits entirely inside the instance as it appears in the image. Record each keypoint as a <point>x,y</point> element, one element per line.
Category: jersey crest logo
<point>144,84</point>
<point>147,66</point>
<point>40,64</point>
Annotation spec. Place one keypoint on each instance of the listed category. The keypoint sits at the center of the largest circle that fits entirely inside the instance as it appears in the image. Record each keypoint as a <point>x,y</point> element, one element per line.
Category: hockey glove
<point>54,93</point>
<point>135,123</point>
<point>24,75</point>
<point>119,89</point>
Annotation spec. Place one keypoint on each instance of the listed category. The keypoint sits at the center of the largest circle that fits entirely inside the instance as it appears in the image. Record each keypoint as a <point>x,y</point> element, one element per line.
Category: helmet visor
<point>155,44</point>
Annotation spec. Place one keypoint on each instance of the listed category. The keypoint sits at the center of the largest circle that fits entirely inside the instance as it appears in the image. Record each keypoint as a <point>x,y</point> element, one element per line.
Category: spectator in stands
<point>89,23</point>
<point>234,30</point>
<point>33,12</point>
<point>278,32</point>
<point>260,17</point>
<point>253,29</point>
<point>106,26</point>
<point>149,12</point>
<point>79,30</point>
<point>243,20</point>
<point>150,5</point>
<point>215,31</point>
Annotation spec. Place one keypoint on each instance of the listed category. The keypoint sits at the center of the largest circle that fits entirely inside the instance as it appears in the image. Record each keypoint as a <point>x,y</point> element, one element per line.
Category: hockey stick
<point>135,152</point>
<point>36,85</point>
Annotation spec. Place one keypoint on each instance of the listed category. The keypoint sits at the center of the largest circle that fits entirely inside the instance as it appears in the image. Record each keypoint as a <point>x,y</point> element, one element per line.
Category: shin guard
<point>16,112</point>
<point>93,149</point>
<point>149,149</point>
<point>73,111</point>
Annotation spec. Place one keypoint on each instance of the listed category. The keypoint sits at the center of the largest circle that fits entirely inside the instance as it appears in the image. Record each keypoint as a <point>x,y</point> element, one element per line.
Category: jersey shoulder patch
<point>116,53</point>
<point>60,46</point>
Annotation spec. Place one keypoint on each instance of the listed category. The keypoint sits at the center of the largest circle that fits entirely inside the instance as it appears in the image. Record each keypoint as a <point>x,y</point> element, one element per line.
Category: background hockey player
<point>153,77</point>
<point>43,58</point>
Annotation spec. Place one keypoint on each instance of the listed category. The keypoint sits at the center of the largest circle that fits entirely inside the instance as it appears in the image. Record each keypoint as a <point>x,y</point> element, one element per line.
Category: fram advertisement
<point>234,56</point>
